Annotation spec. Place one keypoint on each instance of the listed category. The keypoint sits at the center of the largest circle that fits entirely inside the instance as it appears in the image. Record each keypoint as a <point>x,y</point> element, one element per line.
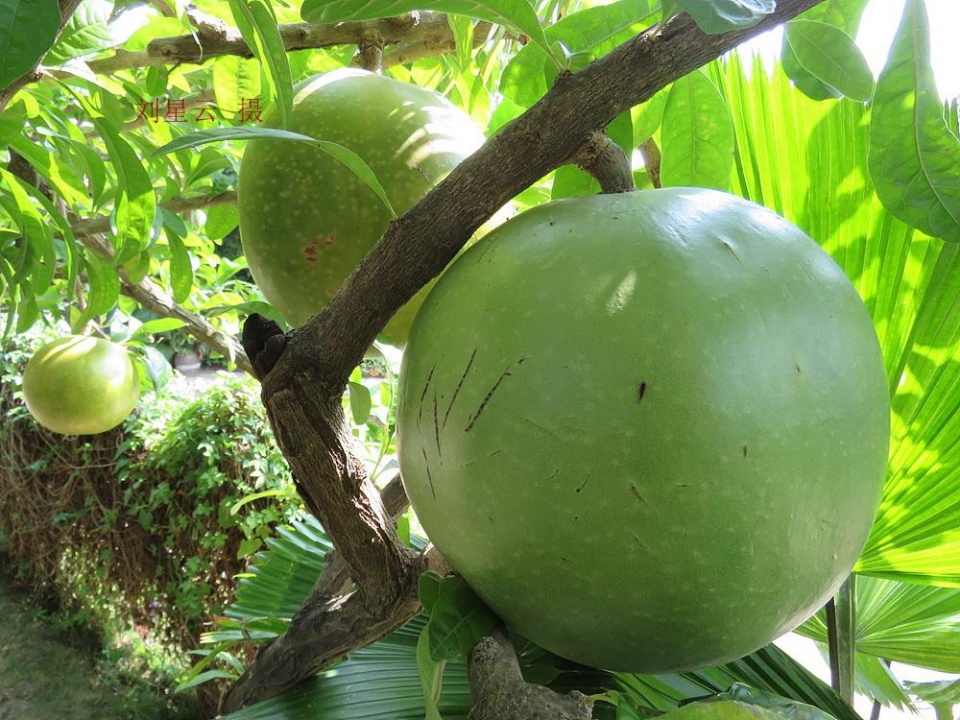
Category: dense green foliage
<point>105,224</point>
<point>147,524</point>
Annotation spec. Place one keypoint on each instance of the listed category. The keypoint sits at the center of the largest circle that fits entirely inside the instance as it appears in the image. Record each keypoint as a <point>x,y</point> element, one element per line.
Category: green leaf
<point>27,30</point>
<point>181,269</point>
<point>88,31</point>
<point>458,621</point>
<point>236,81</point>
<point>158,325</point>
<point>831,56</point>
<point>596,30</point>
<point>428,590</point>
<point>696,135</point>
<point>259,28</point>
<point>221,220</point>
<point>806,82</point>
<point>360,402</point>
<point>103,289</point>
<point>431,676</point>
<point>135,212</point>
<point>516,14</point>
<point>35,231</point>
<point>720,16</point>
<point>202,137</point>
<point>903,621</point>
<point>913,156</point>
<point>647,117</point>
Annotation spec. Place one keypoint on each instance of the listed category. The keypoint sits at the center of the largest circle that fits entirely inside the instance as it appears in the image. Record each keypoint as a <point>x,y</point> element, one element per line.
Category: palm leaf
<point>807,161</point>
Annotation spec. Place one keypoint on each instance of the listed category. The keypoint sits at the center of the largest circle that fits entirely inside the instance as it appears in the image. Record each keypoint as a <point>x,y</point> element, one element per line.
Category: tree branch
<point>408,35</point>
<point>303,383</point>
<point>148,294</point>
<point>499,692</point>
<point>101,224</point>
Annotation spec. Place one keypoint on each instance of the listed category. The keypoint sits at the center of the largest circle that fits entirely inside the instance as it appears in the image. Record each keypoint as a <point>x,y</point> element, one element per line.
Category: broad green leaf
<point>516,14</point>
<point>35,231</point>
<point>831,56</point>
<point>945,692</point>
<point>259,28</point>
<point>360,402</point>
<point>458,621</point>
<point>158,325</point>
<point>88,31</point>
<point>844,14</point>
<point>571,181</point>
<point>913,157</point>
<point>202,137</point>
<point>221,220</point>
<point>27,30</point>
<point>134,214</point>
<point>696,135</point>
<point>431,676</point>
<point>236,81</point>
<point>596,30</point>
<point>648,116</point>
<point>719,16</point>
<point>181,269</point>
<point>103,289</point>
<point>428,590</point>
<point>12,121</point>
<point>805,81</point>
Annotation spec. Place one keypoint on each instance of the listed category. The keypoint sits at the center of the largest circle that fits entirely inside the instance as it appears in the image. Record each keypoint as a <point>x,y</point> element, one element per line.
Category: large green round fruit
<point>306,219</point>
<point>649,429</point>
<point>80,385</point>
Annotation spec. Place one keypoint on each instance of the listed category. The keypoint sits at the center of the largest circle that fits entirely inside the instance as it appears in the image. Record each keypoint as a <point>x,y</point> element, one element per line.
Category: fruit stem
<point>605,161</point>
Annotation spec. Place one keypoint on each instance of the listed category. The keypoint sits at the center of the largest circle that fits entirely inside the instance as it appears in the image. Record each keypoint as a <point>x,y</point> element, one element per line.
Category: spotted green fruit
<point>80,385</point>
<point>649,429</point>
<point>306,219</point>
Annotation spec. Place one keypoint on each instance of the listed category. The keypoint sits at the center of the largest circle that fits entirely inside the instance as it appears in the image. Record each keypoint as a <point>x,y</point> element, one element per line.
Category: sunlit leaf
<point>831,56</point>
<point>596,30</point>
<point>696,135</point>
<point>913,157</point>
<point>719,16</point>
<point>236,81</point>
<point>88,31</point>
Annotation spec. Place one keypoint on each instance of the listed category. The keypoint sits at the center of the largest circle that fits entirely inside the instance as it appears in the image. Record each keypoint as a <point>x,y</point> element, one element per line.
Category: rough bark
<point>606,162</point>
<point>305,372</point>
<point>499,692</point>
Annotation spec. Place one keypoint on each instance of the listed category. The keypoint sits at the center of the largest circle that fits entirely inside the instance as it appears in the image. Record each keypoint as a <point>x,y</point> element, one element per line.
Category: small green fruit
<point>649,429</point>
<point>81,385</point>
<point>306,219</point>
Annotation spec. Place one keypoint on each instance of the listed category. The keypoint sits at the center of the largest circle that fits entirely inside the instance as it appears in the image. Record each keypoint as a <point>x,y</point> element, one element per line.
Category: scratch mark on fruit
<point>636,538</point>
<point>797,366</point>
<point>423,394</point>
<point>426,464</point>
<point>583,484</point>
<point>495,452</point>
<point>456,391</point>
<point>637,495</point>
<point>436,421</point>
<point>641,391</point>
<point>729,247</point>
<point>744,450</point>
<point>483,405</point>
<point>543,428</point>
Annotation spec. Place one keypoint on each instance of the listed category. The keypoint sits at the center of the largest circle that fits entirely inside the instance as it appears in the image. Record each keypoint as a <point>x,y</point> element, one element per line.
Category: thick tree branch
<point>499,692</point>
<point>408,35</point>
<point>303,385</point>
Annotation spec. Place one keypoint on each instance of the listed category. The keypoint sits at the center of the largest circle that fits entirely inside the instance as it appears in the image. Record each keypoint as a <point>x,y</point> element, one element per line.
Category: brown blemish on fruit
<point>641,391</point>
<point>311,251</point>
